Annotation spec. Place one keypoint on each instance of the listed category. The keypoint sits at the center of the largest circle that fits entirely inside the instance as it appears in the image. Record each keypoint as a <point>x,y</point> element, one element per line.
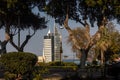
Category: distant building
<point>41,59</point>
<point>57,45</point>
<point>48,50</point>
<point>52,46</point>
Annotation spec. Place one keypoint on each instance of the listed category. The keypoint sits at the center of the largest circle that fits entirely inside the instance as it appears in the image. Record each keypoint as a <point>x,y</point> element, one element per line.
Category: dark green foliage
<point>45,67</point>
<point>95,10</point>
<point>11,10</point>
<point>58,63</point>
<point>63,65</point>
<point>17,15</point>
<point>41,68</point>
<point>80,10</point>
<point>18,62</point>
<point>58,9</point>
<point>9,76</point>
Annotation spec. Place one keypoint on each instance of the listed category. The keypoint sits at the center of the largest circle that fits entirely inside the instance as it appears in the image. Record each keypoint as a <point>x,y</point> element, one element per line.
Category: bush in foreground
<point>18,65</point>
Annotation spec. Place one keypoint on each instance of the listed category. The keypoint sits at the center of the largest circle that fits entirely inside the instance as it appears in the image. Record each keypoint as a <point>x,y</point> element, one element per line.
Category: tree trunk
<point>102,58</point>
<point>21,50</point>
<point>4,43</point>
<point>3,47</point>
<point>83,58</point>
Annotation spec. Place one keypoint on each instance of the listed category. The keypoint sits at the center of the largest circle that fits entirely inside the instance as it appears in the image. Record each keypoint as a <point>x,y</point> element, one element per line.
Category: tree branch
<point>66,25</point>
<point>70,33</point>
<point>12,43</point>
<point>28,37</point>
<point>81,22</point>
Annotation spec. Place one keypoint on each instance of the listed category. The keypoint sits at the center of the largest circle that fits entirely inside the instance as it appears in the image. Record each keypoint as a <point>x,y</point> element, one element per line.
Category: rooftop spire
<point>48,32</point>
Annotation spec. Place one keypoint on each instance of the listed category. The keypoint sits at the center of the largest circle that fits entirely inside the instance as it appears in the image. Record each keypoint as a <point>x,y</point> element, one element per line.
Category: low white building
<point>41,59</point>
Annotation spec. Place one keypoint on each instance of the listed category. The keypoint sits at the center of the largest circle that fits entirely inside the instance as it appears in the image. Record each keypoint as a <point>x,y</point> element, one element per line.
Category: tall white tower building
<point>52,46</point>
<point>48,47</point>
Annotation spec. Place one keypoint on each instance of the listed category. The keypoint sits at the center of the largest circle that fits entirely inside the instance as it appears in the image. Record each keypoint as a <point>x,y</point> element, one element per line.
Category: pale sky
<point>35,45</point>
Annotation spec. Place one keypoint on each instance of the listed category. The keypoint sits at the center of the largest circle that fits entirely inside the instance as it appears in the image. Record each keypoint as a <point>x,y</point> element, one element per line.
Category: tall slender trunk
<point>18,31</point>
<point>19,38</point>
<point>102,58</point>
<point>21,49</point>
<point>3,47</point>
<point>83,57</point>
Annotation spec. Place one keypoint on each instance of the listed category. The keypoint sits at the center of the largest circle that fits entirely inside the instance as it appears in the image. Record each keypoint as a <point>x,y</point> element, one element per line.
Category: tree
<point>19,63</point>
<point>17,15</point>
<point>83,43</point>
<point>84,12</point>
<point>104,42</point>
<point>80,10</point>
<point>58,9</point>
<point>108,44</point>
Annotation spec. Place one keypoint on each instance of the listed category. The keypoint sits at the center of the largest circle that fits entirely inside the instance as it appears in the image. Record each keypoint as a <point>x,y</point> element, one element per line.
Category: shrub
<point>58,63</point>
<point>18,62</point>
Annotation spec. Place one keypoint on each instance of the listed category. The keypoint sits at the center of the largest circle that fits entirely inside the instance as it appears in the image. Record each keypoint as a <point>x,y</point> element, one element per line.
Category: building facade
<point>48,50</point>
<point>57,45</point>
<point>52,50</point>
<point>41,59</point>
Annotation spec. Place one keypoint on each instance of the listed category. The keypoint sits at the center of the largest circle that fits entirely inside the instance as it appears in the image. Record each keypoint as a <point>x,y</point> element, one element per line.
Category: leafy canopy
<point>12,10</point>
<point>80,10</point>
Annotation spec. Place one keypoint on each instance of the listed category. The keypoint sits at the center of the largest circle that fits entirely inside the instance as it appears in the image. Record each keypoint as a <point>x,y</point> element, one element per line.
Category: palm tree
<point>101,47</point>
<point>109,41</point>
